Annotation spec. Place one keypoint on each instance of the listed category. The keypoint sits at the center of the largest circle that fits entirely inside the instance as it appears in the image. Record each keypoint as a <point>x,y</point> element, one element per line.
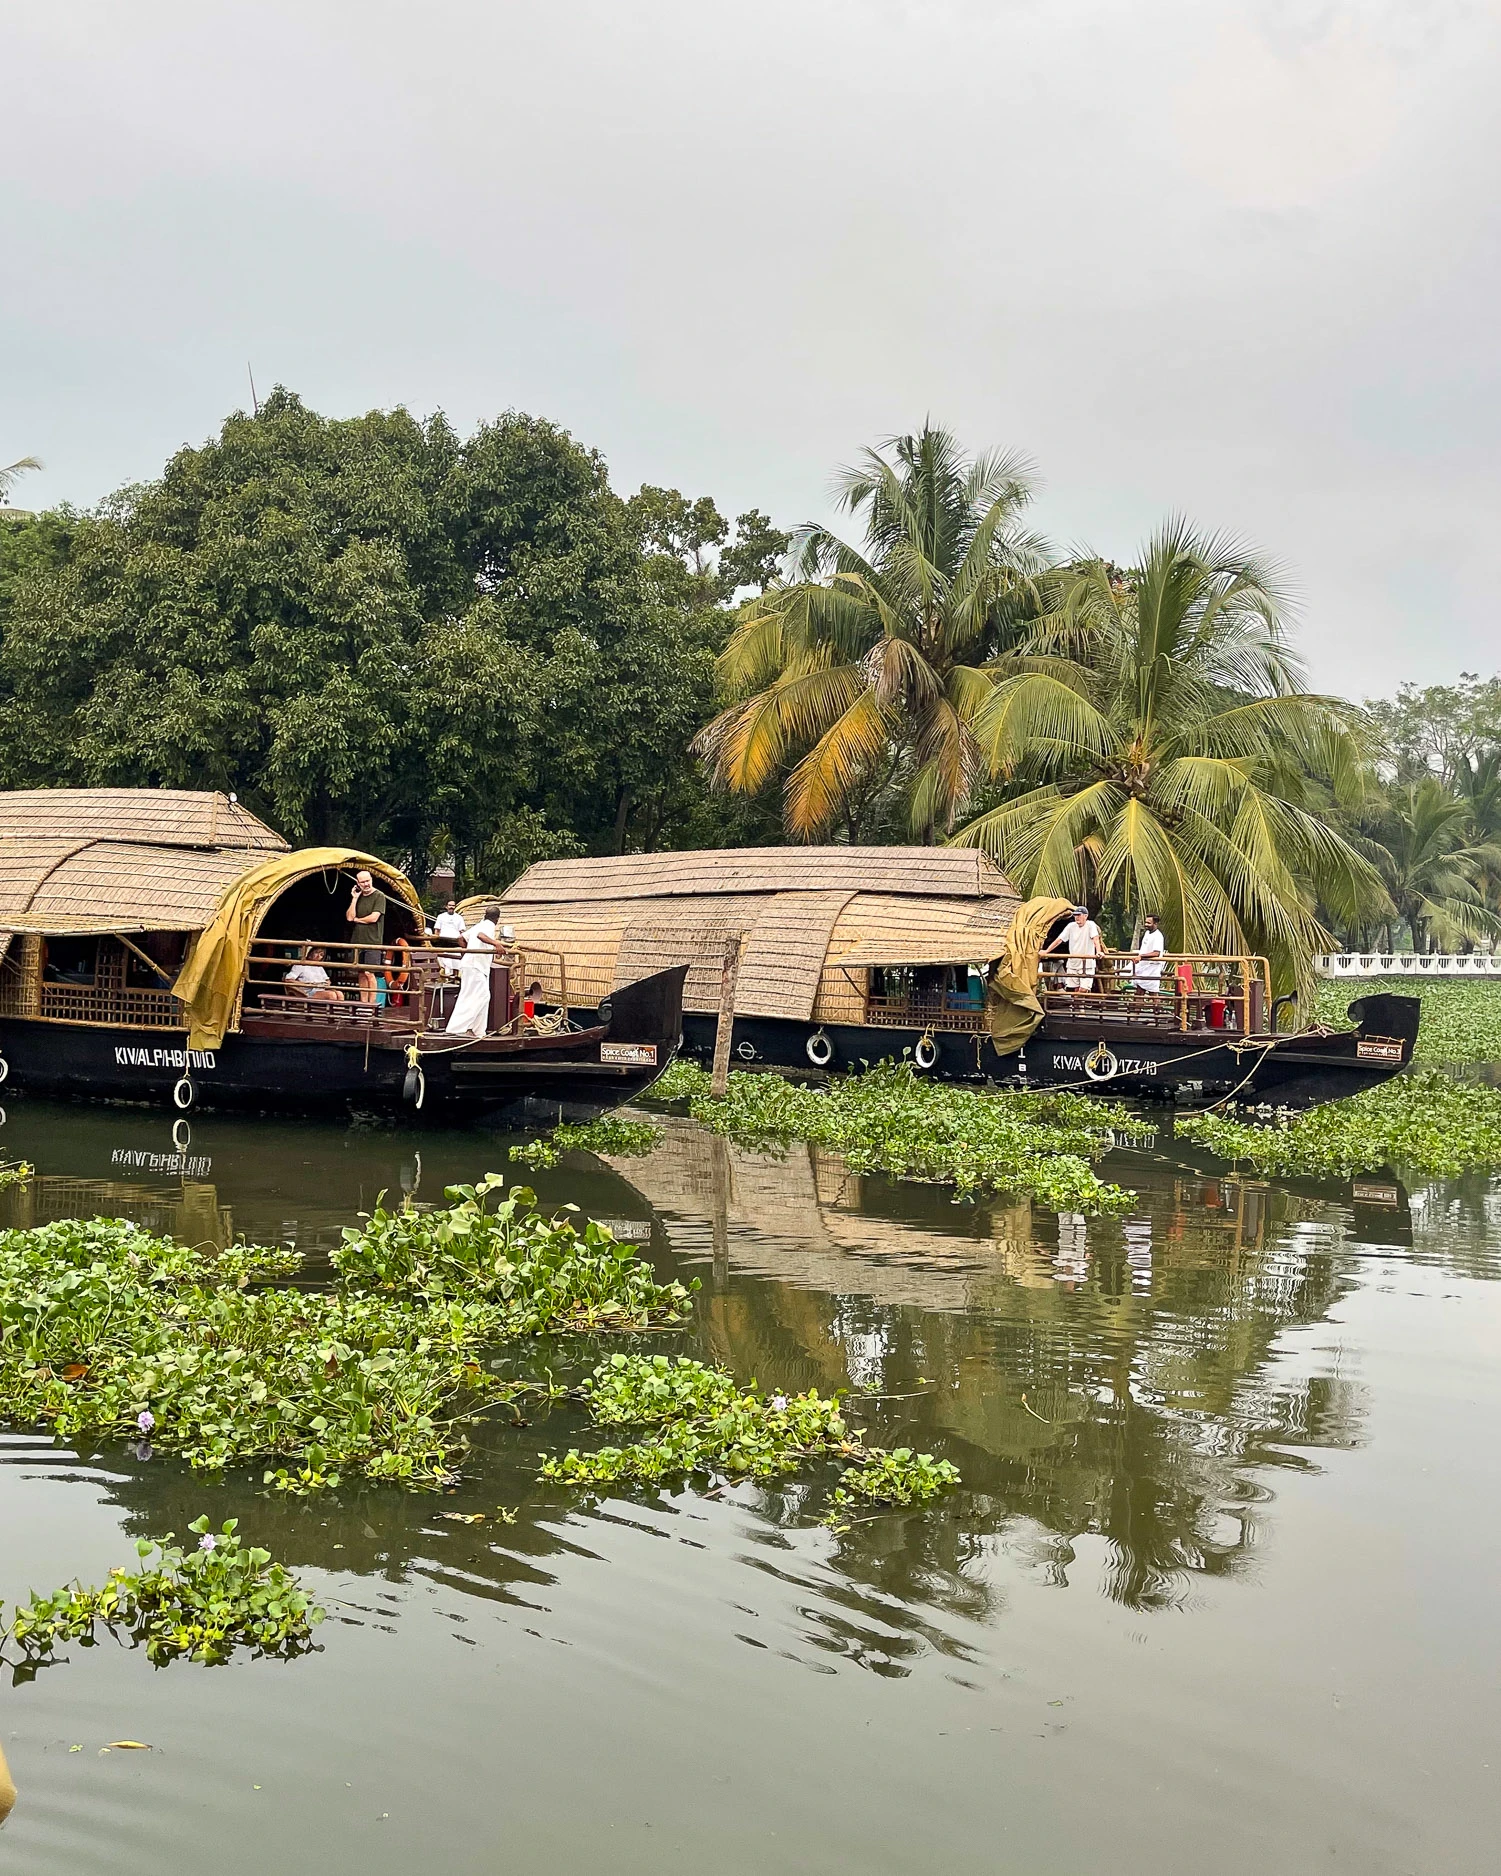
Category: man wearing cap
<point>1081,939</point>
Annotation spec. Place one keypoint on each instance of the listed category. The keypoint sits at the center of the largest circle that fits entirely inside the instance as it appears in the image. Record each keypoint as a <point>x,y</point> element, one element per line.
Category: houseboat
<point>157,946</point>
<point>848,955</point>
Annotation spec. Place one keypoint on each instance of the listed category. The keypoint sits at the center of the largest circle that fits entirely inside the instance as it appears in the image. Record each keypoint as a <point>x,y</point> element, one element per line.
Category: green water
<point>1220,1590</point>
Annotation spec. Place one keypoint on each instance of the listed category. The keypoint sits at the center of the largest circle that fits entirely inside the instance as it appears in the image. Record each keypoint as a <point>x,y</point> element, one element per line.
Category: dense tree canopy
<point>376,631</point>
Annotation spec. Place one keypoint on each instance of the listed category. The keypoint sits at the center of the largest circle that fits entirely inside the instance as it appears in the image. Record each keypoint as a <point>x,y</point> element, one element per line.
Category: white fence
<point>1407,964</point>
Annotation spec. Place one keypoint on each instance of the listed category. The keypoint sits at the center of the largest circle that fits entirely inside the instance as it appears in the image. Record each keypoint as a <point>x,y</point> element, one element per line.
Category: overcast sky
<point>1232,257</point>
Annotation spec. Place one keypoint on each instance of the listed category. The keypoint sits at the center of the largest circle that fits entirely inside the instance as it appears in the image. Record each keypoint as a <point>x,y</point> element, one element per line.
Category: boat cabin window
<point>950,995</point>
<point>101,979</point>
<point>70,961</point>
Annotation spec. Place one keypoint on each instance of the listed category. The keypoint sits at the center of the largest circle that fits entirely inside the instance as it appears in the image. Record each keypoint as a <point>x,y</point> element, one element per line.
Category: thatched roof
<point>806,915</point>
<point>159,817</point>
<point>938,872</point>
<point>85,860</point>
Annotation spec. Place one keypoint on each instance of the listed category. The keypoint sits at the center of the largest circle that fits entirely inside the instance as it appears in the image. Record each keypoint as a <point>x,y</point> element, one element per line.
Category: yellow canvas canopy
<point>1012,1010</point>
<point>210,979</point>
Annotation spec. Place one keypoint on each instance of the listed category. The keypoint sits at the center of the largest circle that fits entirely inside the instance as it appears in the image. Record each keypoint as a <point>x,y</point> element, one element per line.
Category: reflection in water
<point>1088,1376</point>
<point>1123,1399</point>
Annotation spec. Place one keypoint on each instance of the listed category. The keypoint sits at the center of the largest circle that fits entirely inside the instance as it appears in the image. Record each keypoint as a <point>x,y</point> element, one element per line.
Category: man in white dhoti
<point>471,1014</point>
<point>1147,972</point>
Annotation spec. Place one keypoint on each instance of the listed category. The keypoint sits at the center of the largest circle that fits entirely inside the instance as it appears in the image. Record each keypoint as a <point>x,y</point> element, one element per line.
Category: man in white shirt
<point>1147,973</point>
<point>312,980</point>
<point>450,922</point>
<point>1081,939</point>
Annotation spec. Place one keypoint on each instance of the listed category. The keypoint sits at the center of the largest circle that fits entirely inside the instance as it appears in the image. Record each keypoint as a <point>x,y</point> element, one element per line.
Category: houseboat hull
<point>1286,1070</point>
<point>540,1080</point>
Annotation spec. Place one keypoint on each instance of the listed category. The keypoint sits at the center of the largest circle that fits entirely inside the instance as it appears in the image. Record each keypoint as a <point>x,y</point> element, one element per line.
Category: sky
<point>1238,259</point>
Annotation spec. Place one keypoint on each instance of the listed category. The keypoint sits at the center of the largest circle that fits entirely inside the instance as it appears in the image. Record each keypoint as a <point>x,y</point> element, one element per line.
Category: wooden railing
<point>1192,991</point>
<point>405,989</point>
<point>915,1012</point>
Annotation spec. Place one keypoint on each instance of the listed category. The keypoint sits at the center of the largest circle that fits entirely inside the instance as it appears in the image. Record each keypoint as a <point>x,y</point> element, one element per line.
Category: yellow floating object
<point>7,1788</point>
<point>128,1745</point>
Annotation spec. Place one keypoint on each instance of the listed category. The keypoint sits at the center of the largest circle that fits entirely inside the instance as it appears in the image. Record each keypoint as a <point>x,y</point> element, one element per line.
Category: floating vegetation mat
<point>14,1175</point>
<point>1461,1017</point>
<point>700,1421</point>
<point>203,1603</point>
<point>1422,1123</point>
<point>109,1332</point>
<point>621,1138</point>
<point>891,1120</point>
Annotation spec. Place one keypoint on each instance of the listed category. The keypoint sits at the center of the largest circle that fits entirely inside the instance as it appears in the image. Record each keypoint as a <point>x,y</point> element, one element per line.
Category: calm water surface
<point>1220,1590</point>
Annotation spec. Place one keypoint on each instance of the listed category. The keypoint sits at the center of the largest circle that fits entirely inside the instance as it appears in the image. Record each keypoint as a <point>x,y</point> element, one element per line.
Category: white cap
<point>508,932</point>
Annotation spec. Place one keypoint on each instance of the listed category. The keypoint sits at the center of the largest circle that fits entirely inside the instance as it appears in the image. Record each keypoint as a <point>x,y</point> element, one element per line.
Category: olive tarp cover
<point>1012,1010</point>
<point>209,981</point>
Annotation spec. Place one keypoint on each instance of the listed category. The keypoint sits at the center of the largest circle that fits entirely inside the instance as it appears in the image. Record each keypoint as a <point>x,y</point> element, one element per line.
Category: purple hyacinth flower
<point>146,1421</point>
<point>206,1542</point>
<point>779,1403</point>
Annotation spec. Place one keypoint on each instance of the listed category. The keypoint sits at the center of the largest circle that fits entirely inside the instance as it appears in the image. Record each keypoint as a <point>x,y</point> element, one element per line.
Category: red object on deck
<point>1214,1010</point>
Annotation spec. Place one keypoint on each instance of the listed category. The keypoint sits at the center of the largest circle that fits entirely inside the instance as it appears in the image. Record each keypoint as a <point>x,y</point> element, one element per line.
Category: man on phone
<point>367,930</point>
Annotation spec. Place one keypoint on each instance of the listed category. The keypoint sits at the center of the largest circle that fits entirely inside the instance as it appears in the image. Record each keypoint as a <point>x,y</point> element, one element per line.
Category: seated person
<point>310,979</point>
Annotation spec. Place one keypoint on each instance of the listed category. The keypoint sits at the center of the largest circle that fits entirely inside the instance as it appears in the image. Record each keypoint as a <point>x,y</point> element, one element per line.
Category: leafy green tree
<point>1436,871</point>
<point>374,631</point>
<point>869,668</point>
<point>1436,730</point>
<point>1156,715</point>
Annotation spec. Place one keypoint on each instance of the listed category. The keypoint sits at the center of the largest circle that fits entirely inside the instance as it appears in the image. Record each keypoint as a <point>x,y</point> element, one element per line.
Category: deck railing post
<point>719,1081</point>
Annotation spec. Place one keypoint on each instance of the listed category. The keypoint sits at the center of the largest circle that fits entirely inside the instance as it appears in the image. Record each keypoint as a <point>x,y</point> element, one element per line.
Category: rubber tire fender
<point>819,1048</point>
<point>926,1053</point>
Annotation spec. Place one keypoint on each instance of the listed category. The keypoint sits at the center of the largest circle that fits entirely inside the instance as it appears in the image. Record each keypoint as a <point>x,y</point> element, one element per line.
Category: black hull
<point>1296,1071</point>
<point>561,1081</point>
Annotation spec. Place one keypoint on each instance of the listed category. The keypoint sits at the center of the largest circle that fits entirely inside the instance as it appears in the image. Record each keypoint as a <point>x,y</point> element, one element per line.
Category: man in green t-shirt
<point>367,929</point>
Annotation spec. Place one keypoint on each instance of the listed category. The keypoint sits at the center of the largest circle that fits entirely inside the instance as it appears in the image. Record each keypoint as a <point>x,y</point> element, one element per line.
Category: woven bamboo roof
<point>87,860</point>
<point>937,872</point>
<point>121,886</point>
<point>884,929</point>
<point>158,817</point>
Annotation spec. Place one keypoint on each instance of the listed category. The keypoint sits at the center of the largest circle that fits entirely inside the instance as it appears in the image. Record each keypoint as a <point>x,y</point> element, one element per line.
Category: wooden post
<point>725,1026</point>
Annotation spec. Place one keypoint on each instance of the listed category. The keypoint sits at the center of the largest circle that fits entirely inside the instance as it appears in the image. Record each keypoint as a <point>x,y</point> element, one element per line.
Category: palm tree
<point>1434,867</point>
<point>871,667</point>
<point>9,473</point>
<point>1168,746</point>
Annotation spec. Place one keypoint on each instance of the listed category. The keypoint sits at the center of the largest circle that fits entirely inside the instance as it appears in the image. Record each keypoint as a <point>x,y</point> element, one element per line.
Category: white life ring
<point>926,1052</point>
<point>820,1048</point>
<point>1100,1064</point>
<point>4,1068</point>
<point>184,1094</point>
<point>746,1051</point>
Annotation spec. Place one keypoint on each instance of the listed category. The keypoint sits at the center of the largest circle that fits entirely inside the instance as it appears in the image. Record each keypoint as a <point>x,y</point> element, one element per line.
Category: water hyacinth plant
<point>202,1602</point>
<point>700,1420</point>
<point>1424,1124</point>
<point>890,1120</point>
<point>612,1134</point>
<point>109,1332</point>
<point>15,1174</point>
